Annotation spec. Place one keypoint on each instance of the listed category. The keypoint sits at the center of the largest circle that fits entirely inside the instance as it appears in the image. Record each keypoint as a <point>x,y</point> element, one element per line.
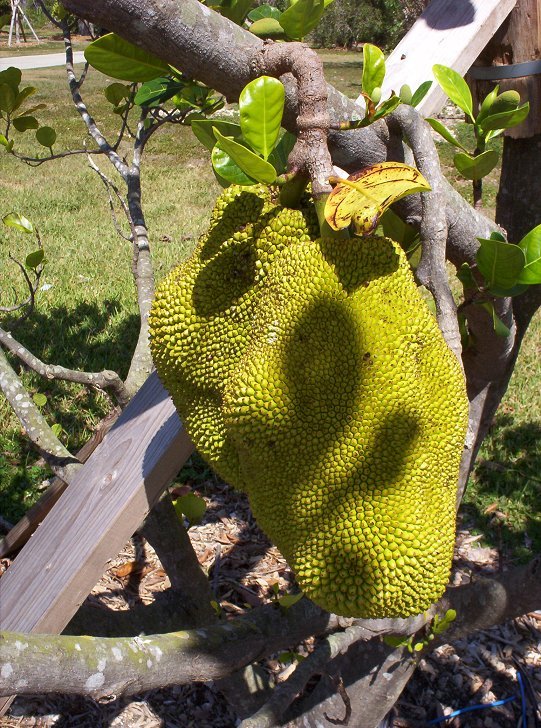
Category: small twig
<point>106,380</point>
<point>342,692</point>
<point>110,185</point>
<point>29,302</point>
<point>37,161</point>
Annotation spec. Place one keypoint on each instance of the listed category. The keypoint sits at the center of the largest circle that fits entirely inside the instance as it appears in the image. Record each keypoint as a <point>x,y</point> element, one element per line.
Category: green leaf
<point>373,68</point>
<point>264,11</point>
<point>268,28</point>
<point>475,168</point>
<point>280,153</point>
<point>7,98</point>
<point>23,123</point>
<point>445,133</point>
<point>250,163</point>
<point>116,92</point>
<point>302,17</point>
<point>57,429</point>
<point>395,640</point>
<point>418,646</point>
<point>191,506</point>
<point>466,277</point>
<point>506,119</point>
<point>487,104</point>
<point>40,400</point>
<point>261,105</point>
<point>46,136</point>
<point>117,58</point>
<point>13,219</point>
<point>288,600</point>
<point>23,95</point>
<point>227,171</point>
<point>385,108</point>
<point>531,247</point>
<point>499,263</point>
<point>455,87</point>
<point>32,109</point>
<point>235,10</point>
<point>34,259</point>
<point>405,93</point>
<point>202,128</point>
<point>420,93</point>
<point>3,141</point>
<point>396,229</point>
<point>12,77</point>
<point>157,91</point>
<point>495,235</point>
<point>500,329</point>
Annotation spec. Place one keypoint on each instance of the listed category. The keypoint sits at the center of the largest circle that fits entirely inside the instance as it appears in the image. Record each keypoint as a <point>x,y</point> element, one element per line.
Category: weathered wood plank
<point>106,502</point>
<point>450,32</point>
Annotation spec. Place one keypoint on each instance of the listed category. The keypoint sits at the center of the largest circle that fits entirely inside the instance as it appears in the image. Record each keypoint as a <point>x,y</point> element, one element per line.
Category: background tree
<point>183,37</point>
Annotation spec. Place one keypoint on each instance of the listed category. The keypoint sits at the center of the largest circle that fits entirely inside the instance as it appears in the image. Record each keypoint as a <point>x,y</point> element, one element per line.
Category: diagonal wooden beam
<point>450,32</point>
<point>106,502</point>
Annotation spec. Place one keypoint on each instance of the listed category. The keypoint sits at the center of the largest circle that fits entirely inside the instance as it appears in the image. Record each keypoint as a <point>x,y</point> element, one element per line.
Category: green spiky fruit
<point>311,374</point>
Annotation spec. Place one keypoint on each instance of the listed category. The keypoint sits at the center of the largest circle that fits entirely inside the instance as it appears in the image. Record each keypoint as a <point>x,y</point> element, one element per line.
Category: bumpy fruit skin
<point>311,374</point>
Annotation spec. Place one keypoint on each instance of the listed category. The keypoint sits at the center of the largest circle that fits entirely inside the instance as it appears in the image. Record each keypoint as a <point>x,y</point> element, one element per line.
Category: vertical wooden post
<point>517,42</point>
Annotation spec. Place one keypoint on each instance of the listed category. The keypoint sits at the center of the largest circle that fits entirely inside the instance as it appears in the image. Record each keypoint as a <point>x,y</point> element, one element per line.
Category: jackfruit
<point>311,374</point>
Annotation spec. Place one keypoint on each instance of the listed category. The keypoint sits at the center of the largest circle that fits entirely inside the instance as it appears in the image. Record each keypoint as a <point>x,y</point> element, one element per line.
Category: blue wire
<point>469,708</point>
<point>523,699</point>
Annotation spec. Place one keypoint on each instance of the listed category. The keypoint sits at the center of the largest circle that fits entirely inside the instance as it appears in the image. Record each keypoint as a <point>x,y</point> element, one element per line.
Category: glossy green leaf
<point>279,155</point>
<point>302,17</point>
<point>7,98</point>
<point>250,163</point>
<point>46,136</point>
<point>117,58</point>
<point>227,171</point>
<point>499,263</point>
<point>22,96</point>
<point>191,506</point>
<point>455,87</point>
<point>500,329</point>
<point>268,28</point>
<point>495,235</point>
<point>445,133</point>
<point>116,92</point>
<point>3,141</point>
<point>396,229</point>
<point>264,11</point>
<point>203,131</point>
<point>475,168</point>
<point>405,93</point>
<point>531,247</point>
<point>20,222</point>
<point>420,93</point>
<point>23,123</point>
<point>34,259</point>
<point>487,104</point>
<point>386,107</point>
<point>40,400</point>
<point>506,119</point>
<point>12,76</point>
<point>235,10</point>
<point>157,91</point>
<point>261,105</point>
<point>373,68</point>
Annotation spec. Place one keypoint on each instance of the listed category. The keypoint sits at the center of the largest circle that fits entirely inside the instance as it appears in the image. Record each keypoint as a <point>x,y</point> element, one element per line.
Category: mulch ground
<point>243,567</point>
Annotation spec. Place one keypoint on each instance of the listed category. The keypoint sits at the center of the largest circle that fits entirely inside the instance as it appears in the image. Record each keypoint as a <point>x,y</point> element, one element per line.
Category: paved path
<point>39,61</point>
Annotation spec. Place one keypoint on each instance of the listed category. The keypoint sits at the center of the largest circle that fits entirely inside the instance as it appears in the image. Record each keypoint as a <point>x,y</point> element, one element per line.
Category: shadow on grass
<point>504,494</point>
<point>85,337</point>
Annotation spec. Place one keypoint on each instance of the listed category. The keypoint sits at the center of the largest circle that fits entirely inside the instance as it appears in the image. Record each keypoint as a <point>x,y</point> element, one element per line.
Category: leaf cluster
<point>16,115</point>
<point>496,113</point>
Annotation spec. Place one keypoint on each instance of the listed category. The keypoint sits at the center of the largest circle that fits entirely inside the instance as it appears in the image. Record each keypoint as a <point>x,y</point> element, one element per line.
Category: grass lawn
<point>87,317</point>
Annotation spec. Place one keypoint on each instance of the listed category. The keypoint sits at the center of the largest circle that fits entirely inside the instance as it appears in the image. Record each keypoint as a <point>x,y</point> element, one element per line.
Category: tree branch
<point>60,460</point>
<point>106,380</point>
<point>101,666</point>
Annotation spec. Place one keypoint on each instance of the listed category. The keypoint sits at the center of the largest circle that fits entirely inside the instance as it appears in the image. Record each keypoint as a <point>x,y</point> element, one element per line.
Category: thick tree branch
<point>100,666</point>
<point>106,380</point>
